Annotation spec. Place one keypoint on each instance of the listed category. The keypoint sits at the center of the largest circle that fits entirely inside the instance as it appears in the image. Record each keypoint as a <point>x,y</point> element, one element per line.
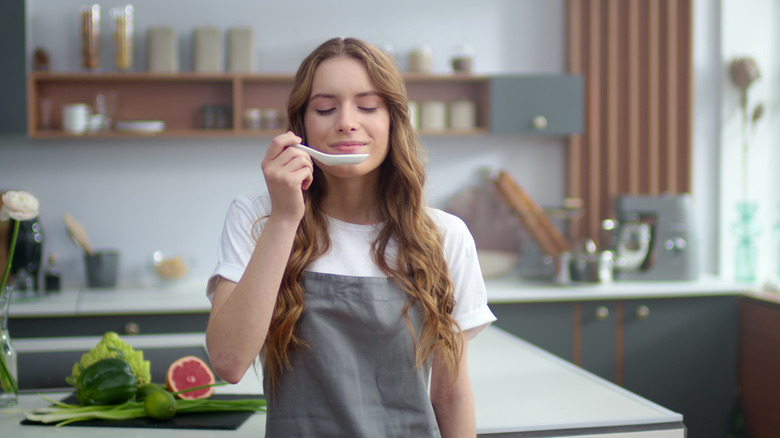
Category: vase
<point>746,229</point>
<point>9,383</point>
<point>777,239</point>
<point>28,256</point>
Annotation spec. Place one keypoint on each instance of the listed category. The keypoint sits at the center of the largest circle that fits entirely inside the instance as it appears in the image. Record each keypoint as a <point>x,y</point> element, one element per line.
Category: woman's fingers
<point>287,172</point>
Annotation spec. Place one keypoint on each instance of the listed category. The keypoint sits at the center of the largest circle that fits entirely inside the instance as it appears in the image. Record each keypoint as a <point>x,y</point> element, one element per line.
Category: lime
<point>160,405</point>
<point>145,390</point>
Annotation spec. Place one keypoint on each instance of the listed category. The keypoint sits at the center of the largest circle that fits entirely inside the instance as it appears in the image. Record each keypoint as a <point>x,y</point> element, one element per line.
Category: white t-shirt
<point>350,254</point>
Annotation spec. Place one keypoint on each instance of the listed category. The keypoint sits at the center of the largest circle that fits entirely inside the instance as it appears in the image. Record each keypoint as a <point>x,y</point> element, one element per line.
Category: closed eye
<point>324,112</point>
<point>368,110</point>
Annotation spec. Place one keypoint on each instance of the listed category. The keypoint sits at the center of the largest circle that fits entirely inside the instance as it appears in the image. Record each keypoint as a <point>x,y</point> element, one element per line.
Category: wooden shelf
<point>178,100</point>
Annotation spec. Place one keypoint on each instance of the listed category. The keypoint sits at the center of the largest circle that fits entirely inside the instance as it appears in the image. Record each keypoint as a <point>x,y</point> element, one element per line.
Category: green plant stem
<point>11,251</point>
<point>6,378</point>
<point>745,142</point>
<point>63,414</point>
<point>195,388</point>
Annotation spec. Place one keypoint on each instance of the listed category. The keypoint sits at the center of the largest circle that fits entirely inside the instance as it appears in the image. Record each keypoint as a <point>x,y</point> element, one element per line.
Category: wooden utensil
<point>78,233</point>
<point>541,229</point>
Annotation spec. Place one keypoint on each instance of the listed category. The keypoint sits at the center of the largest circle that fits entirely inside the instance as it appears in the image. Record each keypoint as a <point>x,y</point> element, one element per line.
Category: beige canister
<point>421,59</point>
<point>207,50</point>
<point>434,115</point>
<point>463,115</point>
<point>162,49</point>
<point>241,49</point>
<point>414,114</point>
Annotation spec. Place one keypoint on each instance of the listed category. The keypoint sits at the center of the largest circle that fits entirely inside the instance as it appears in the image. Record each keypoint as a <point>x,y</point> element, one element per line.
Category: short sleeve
<point>243,223</point>
<point>471,307</point>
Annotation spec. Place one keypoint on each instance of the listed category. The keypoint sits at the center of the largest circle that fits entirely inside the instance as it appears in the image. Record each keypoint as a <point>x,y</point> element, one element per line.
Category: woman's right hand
<point>288,172</point>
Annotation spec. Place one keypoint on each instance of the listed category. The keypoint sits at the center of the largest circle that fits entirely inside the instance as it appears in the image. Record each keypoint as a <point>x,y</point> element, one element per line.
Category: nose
<point>347,120</point>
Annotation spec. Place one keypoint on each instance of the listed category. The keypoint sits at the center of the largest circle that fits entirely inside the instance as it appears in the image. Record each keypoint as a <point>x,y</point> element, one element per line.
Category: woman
<point>350,289</point>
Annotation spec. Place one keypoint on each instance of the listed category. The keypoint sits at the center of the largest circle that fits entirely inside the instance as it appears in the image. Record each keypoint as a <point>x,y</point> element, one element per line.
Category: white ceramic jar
<point>421,60</point>
<point>434,115</point>
<point>463,115</point>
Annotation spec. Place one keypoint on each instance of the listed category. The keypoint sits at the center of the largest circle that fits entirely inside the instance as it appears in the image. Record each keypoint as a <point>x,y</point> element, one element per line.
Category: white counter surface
<point>518,389</point>
<point>190,296</point>
<point>510,289</point>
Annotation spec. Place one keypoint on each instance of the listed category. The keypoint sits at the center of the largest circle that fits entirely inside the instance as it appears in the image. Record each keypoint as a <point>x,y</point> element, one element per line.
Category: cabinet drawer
<point>537,104</point>
<point>48,327</point>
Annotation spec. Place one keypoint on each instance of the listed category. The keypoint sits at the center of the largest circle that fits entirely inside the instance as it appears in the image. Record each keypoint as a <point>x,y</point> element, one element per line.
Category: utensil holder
<point>101,269</point>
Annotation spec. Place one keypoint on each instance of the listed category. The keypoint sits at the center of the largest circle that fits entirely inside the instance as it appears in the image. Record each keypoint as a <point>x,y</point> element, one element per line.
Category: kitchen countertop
<point>508,289</point>
<point>189,297</point>
<point>519,390</point>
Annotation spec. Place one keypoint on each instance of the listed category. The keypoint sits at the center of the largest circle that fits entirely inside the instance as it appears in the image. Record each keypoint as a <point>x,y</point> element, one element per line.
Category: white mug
<point>75,118</point>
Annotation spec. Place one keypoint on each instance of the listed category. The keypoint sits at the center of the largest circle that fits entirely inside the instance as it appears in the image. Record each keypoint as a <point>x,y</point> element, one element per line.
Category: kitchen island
<point>520,391</point>
<point>674,343</point>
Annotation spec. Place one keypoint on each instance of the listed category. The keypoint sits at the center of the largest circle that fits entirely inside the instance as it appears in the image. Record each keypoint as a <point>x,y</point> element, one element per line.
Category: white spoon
<point>332,159</point>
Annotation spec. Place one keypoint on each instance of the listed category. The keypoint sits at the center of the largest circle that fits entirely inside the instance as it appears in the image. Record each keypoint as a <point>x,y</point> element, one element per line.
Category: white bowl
<point>496,263</point>
<point>169,268</point>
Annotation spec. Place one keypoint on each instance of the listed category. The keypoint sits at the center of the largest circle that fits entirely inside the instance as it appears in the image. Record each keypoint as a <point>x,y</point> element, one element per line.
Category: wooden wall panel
<point>635,56</point>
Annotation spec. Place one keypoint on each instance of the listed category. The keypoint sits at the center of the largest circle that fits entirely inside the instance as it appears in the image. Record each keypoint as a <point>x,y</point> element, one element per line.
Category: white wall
<point>507,35</point>
<point>144,195</point>
<point>749,28</point>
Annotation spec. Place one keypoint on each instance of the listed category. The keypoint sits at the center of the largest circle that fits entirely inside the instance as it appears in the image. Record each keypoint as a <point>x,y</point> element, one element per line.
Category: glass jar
<point>90,37</point>
<point>122,17</point>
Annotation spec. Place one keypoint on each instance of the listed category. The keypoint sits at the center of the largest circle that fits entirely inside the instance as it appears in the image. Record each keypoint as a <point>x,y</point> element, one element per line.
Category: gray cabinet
<point>13,105</point>
<point>682,353</point>
<point>546,325</point>
<point>678,352</point>
<point>597,330</point>
<point>536,104</point>
<point>97,325</point>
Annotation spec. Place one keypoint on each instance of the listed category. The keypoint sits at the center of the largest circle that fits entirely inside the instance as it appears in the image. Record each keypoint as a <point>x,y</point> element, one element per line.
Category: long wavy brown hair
<point>420,268</point>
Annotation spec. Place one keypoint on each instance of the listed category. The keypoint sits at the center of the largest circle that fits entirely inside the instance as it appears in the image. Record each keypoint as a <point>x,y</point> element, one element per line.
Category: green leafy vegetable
<point>112,346</point>
<point>63,413</point>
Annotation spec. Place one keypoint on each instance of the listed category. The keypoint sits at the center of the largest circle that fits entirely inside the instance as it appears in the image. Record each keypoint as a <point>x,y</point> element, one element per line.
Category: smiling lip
<point>347,147</point>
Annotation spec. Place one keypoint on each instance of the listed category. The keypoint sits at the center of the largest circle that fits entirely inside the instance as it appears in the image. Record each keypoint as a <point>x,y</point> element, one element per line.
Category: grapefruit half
<point>190,372</point>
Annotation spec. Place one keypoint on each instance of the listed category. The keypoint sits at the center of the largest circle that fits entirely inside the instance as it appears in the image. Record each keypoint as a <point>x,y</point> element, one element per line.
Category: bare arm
<point>453,403</point>
<point>241,312</point>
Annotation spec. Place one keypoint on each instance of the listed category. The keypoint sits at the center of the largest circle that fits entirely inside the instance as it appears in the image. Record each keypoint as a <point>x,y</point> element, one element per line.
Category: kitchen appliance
<point>654,238</point>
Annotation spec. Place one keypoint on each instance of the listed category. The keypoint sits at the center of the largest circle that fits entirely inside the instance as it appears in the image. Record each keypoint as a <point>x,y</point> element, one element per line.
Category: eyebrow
<point>333,96</point>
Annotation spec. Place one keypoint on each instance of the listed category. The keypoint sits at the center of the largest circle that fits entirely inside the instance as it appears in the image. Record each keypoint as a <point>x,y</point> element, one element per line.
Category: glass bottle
<point>90,37</point>
<point>52,281</point>
<point>122,17</point>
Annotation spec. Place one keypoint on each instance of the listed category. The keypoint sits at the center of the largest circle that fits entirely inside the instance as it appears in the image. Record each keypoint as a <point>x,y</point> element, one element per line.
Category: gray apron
<point>357,376</point>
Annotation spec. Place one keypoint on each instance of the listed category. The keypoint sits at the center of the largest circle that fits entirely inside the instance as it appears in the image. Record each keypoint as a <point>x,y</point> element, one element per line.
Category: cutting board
<point>205,420</point>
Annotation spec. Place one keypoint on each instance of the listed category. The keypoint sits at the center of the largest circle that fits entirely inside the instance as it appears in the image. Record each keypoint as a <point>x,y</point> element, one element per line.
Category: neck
<point>353,200</point>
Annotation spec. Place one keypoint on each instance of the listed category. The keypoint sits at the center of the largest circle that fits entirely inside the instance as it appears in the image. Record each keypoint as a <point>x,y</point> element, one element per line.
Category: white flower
<point>18,205</point>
